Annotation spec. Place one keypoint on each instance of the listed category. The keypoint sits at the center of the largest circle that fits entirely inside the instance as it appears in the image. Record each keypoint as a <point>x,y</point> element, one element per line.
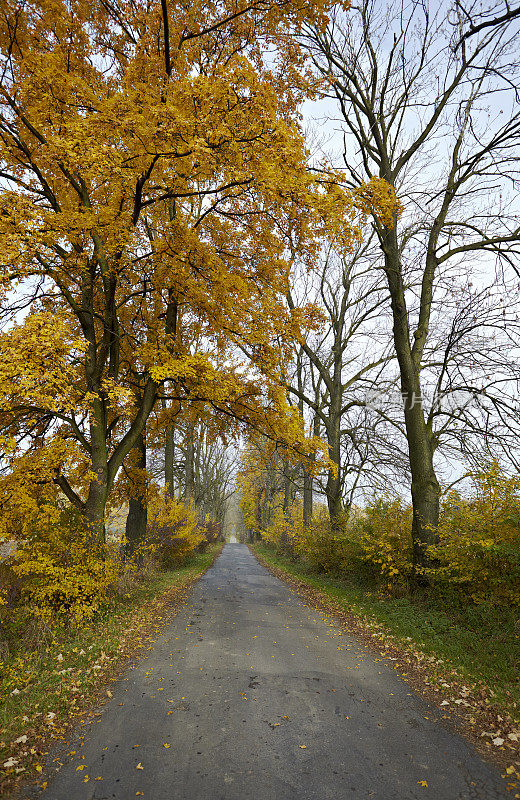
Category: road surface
<point>251,695</point>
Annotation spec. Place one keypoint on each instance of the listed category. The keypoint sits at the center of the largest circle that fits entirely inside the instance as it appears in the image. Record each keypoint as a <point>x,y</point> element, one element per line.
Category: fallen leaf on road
<point>139,766</point>
<point>303,747</point>
<point>422,783</point>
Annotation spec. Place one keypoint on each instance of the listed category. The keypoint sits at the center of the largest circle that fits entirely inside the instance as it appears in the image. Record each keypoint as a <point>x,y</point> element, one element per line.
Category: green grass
<point>61,670</point>
<point>480,641</point>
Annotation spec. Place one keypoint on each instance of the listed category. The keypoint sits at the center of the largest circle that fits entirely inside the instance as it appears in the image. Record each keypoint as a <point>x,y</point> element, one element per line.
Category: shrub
<point>479,539</point>
<point>63,575</point>
<point>324,546</point>
<point>173,530</point>
<point>285,529</point>
<point>211,533</point>
<point>383,532</point>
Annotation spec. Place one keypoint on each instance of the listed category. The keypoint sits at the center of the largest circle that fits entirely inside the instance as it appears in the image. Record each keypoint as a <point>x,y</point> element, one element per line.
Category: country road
<point>250,695</point>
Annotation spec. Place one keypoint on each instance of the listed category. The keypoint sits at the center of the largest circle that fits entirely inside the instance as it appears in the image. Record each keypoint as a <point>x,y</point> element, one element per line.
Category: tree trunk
<point>189,487</point>
<point>308,480</point>
<point>288,490</point>
<point>286,505</point>
<point>169,461</point>
<point>94,508</point>
<point>425,486</point>
<point>334,483</point>
<point>105,469</point>
<point>136,520</point>
<point>307,497</point>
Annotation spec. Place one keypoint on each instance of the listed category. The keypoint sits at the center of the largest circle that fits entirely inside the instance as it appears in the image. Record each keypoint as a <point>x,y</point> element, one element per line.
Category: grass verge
<point>48,684</point>
<point>464,659</point>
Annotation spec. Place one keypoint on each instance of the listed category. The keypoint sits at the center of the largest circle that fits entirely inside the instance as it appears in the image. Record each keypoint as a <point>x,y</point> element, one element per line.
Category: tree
<point>475,20</point>
<point>421,112</point>
<point>334,367</point>
<point>152,173</point>
<point>261,484</point>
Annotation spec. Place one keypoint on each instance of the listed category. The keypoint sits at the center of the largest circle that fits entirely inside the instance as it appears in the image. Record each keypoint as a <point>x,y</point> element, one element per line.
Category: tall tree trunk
<point>169,461</point>
<point>308,481</point>
<point>94,508</point>
<point>258,513</point>
<point>307,497</point>
<point>264,516</point>
<point>136,520</point>
<point>334,482</point>
<point>287,486</point>
<point>189,486</point>
<point>172,322</point>
<point>287,497</point>
<point>105,469</point>
<point>425,486</point>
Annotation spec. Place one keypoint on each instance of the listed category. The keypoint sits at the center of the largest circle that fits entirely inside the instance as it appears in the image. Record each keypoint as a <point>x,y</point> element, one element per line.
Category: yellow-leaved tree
<point>154,176</point>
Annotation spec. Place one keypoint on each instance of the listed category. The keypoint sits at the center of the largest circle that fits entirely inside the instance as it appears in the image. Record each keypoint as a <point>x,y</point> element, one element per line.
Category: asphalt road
<point>251,695</point>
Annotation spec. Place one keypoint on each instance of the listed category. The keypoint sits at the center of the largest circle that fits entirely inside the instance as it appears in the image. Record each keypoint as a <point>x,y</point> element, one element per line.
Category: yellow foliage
<point>383,531</point>
<point>479,539</point>
<point>478,549</point>
<point>28,493</point>
<point>152,191</point>
<point>323,545</point>
<point>285,528</point>
<point>64,576</point>
<point>174,530</point>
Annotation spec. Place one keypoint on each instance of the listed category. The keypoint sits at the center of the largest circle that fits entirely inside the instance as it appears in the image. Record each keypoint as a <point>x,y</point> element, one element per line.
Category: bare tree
<point>473,19</point>
<point>337,366</point>
<point>438,119</point>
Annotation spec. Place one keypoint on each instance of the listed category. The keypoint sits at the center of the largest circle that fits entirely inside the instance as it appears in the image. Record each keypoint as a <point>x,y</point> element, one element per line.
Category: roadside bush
<point>325,547</point>
<point>173,531</point>
<point>285,530</point>
<point>479,540</point>
<point>62,575</point>
<point>211,533</point>
<point>375,542</point>
<point>383,533</point>
<point>477,557</point>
